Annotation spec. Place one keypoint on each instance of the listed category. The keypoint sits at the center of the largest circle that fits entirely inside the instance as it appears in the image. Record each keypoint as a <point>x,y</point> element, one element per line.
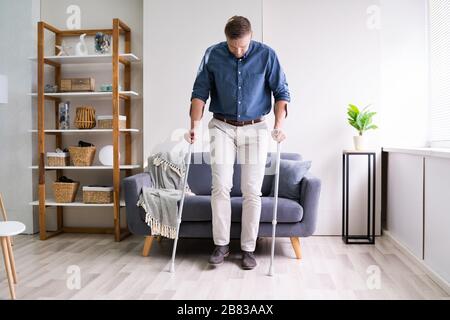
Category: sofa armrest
<point>309,199</point>
<point>132,186</point>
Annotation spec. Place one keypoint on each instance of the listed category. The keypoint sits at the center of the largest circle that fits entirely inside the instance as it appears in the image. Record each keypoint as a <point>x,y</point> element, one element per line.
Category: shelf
<point>104,58</point>
<point>77,203</point>
<point>54,131</point>
<point>96,94</point>
<point>122,167</point>
<point>92,64</point>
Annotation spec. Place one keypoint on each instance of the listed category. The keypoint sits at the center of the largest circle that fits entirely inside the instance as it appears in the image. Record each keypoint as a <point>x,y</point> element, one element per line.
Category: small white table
<point>7,230</point>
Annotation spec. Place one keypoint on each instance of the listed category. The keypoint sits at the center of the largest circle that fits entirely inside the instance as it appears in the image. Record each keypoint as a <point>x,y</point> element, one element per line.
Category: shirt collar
<point>250,47</point>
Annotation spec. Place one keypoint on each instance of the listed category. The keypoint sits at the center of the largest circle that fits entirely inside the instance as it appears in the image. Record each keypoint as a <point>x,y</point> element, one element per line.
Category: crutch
<point>180,209</point>
<point>275,208</point>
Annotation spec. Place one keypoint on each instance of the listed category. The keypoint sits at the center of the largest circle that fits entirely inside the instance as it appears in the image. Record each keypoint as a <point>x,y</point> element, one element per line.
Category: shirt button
<point>239,72</point>
<point>239,88</point>
<point>239,116</point>
<point>239,102</point>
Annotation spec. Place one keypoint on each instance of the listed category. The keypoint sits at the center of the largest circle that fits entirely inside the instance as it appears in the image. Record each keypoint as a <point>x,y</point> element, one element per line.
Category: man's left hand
<point>278,135</point>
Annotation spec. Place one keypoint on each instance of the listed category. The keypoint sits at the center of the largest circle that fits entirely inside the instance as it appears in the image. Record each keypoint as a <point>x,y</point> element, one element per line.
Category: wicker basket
<point>65,192</point>
<point>82,156</point>
<point>106,122</point>
<point>58,159</point>
<point>97,194</point>
<point>85,117</point>
<point>77,84</point>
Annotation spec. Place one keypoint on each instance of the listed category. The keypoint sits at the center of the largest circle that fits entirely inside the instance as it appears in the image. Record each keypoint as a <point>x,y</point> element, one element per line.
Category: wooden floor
<point>109,270</point>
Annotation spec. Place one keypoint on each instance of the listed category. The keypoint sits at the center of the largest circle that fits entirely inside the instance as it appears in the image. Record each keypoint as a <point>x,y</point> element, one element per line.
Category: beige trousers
<point>250,144</point>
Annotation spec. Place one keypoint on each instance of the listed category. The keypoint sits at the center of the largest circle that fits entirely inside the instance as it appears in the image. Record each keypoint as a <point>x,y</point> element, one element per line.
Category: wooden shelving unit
<point>118,29</point>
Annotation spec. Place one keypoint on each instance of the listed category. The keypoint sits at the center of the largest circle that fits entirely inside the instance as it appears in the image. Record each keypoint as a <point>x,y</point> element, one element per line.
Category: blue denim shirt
<point>240,89</point>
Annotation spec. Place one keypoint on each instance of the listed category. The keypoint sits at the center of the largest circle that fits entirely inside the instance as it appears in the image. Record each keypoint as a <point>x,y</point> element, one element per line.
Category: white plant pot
<point>360,143</point>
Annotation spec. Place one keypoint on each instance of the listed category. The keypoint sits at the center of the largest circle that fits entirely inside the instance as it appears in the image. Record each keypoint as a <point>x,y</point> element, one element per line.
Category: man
<point>240,75</point>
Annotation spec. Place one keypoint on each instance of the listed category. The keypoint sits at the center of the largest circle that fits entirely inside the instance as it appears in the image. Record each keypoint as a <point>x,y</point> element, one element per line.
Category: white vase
<point>360,143</point>
<point>81,48</point>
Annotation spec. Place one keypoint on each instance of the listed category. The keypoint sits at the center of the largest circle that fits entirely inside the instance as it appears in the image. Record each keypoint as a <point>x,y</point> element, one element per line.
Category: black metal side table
<point>371,167</point>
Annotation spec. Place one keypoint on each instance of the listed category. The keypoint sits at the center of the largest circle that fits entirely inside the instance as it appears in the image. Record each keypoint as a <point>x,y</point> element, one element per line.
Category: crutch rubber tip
<point>172,268</point>
<point>271,271</point>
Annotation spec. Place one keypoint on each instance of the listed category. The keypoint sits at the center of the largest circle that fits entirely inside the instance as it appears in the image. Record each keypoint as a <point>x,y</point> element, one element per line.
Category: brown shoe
<point>218,255</point>
<point>248,260</point>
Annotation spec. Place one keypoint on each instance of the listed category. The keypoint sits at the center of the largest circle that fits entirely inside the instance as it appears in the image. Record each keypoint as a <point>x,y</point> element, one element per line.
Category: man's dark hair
<point>237,27</point>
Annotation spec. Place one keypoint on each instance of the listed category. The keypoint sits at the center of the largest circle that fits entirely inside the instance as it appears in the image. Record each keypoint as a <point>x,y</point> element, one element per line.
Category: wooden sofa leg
<point>147,246</point>
<point>296,245</point>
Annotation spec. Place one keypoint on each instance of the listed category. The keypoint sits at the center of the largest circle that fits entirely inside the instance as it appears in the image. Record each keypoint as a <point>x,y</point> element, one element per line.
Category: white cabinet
<point>405,201</point>
<point>437,215</point>
<point>418,206</point>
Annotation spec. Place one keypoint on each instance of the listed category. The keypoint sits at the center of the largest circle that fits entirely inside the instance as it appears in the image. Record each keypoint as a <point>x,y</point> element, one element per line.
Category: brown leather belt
<point>237,123</point>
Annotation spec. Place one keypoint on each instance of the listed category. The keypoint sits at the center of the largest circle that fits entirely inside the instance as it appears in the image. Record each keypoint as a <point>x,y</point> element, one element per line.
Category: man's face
<point>238,47</point>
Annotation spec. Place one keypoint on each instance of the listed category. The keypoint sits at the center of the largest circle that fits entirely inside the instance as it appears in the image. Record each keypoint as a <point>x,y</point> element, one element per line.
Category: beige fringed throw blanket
<point>160,201</point>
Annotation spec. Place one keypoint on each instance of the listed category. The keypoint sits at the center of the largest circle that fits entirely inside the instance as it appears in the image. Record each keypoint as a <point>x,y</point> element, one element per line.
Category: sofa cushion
<point>198,208</point>
<point>291,173</point>
<point>270,169</point>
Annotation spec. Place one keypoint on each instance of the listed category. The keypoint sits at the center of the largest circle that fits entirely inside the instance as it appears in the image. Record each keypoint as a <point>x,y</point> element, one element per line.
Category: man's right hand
<point>189,136</point>
<point>196,114</point>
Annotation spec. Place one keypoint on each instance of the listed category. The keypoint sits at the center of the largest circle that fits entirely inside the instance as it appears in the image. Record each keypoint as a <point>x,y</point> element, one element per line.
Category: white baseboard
<point>441,282</point>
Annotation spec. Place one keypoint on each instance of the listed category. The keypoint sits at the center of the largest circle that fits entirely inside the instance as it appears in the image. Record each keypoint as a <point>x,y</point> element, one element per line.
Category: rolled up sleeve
<point>277,79</point>
<point>202,84</point>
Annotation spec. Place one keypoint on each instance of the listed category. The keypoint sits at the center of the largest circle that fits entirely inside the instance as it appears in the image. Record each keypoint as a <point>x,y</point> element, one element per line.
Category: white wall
<point>17,34</point>
<point>404,73</point>
<point>330,58</point>
<point>94,15</point>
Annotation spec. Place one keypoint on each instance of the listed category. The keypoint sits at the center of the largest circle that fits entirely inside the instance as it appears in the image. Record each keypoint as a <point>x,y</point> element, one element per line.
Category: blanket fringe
<point>157,229</point>
<point>158,161</point>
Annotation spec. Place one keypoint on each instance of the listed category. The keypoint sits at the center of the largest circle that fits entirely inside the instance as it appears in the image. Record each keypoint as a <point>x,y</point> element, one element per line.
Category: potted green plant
<point>361,121</point>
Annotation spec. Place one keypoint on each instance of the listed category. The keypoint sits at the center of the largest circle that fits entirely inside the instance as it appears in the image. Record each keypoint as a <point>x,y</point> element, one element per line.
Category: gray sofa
<point>295,218</point>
